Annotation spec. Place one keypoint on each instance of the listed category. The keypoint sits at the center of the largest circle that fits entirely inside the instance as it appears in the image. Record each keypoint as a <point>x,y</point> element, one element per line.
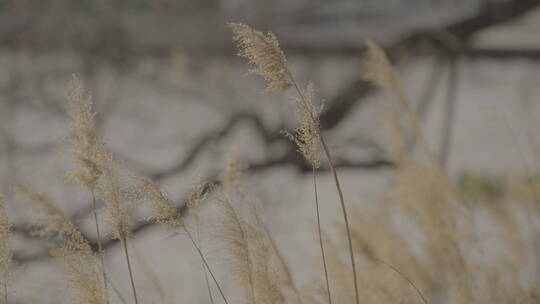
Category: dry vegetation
<point>428,240</point>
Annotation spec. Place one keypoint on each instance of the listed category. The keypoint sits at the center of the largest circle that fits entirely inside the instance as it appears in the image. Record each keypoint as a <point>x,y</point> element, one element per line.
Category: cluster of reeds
<point>441,256</point>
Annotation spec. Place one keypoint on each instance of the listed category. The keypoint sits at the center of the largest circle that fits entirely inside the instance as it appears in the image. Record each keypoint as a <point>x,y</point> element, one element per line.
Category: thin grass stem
<point>341,198</point>
<point>5,288</point>
<point>396,270</point>
<point>320,236</point>
<point>124,243</point>
<point>204,267</point>
<point>206,264</point>
<point>100,248</point>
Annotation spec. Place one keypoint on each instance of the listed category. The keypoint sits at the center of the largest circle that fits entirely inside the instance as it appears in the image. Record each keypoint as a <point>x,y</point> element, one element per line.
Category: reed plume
<point>306,138</point>
<point>252,258</point>
<point>264,55</point>
<point>6,255</point>
<point>86,150</point>
<point>271,61</point>
<point>399,118</point>
<point>169,216</point>
<point>116,191</point>
<point>97,171</point>
<point>75,254</point>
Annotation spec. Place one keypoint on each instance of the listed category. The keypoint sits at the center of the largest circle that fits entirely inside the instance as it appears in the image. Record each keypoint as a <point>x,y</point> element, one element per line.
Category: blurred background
<point>173,100</point>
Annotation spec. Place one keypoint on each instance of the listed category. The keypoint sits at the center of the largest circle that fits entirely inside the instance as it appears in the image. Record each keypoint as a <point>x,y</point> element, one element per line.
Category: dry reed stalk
<point>195,198</point>
<point>306,138</point>
<point>237,245</point>
<point>169,216</point>
<point>99,241</point>
<point>117,195</point>
<point>379,71</point>
<point>201,255</point>
<point>345,215</point>
<point>82,269</point>
<point>253,258</point>
<point>152,277</point>
<point>319,230</point>
<point>6,255</point>
<point>126,252</point>
<point>86,149</point>
<point>269,61</point>
<point>206,281</point>
<point>97,171</point>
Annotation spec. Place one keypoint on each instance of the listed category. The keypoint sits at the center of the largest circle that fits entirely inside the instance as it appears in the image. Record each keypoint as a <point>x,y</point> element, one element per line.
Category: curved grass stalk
<point>319,230</point>
<point>206,264</point>
<point>133,289</point>
<point>341,198</point>
<point>100,247</point>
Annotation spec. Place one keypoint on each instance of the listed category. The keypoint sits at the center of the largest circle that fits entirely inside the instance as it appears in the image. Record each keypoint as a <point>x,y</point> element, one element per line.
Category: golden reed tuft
<point>84,144</point>
<point>306,136</point>
<point>80,264</point>
<point>266,61</point>
<point>164,212</point>
<point>264,54</point>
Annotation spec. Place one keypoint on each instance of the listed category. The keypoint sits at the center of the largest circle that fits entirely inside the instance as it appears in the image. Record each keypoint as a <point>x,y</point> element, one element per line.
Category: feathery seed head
<point>117,194</point>
<point>306,137</point>
<point>83,145</point>
<point>264,54</point>
<point>49,220</point>
<point>82,275</point>
<point>164,212</point>
<point>195,197</point>
<point>74,253</point>
<point>380,72</point>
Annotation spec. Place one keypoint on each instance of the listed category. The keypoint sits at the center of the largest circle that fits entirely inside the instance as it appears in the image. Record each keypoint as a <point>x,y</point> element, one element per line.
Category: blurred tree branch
<point>452,41</point>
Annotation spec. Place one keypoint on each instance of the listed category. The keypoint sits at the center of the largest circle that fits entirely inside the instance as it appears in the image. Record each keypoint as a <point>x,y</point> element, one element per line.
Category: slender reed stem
<point>320,236</point>
<point>204,267</point>
<point>5,287</point>
<point>124,243</point>
<point>406,278</point>
<point>100,248</point>
<point>449,112</point>
<point>206,264</point>
<point>341,199</point>
<point>345,216</point>
<point>116,291</point>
